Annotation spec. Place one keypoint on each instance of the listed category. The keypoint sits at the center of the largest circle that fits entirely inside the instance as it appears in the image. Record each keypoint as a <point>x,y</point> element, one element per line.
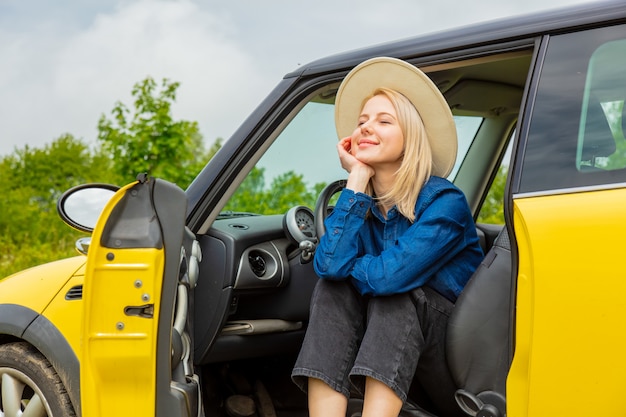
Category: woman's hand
<point>347,159</point>
<point>359,173</point>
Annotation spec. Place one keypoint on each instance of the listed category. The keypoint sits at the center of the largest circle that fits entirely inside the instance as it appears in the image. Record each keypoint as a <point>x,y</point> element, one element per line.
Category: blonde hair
<point>417,160</point>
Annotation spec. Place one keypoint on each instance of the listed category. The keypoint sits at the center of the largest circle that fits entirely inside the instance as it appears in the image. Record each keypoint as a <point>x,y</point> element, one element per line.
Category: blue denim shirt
<point>388,256</point>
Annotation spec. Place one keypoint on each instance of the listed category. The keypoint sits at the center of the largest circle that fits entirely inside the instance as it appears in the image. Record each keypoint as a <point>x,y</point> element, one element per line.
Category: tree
<point>149,139</point>
<point>289,190</point>
<point>492,210</point>
<point>286,190</point>
<point>50,170</point>
<point>31,181</point>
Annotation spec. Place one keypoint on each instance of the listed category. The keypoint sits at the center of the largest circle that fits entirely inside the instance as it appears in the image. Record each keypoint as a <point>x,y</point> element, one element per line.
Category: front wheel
<point>29,384</point>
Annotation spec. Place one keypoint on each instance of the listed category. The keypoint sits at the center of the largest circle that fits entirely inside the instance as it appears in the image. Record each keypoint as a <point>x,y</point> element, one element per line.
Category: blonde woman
<point>399,247</point>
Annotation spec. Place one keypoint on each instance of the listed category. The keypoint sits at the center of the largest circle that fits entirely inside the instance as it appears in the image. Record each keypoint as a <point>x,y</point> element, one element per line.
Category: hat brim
<point>406,79</point>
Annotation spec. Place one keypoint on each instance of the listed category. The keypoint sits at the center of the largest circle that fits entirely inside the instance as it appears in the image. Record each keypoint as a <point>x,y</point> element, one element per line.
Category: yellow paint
<point>35,287</point>
<point>118,373</point>
<point>571,306</point>
<point>66,315</point>
<point>43,289</point>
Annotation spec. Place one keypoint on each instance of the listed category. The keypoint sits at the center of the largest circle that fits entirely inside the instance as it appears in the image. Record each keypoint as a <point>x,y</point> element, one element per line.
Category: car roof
<point>502,30</point>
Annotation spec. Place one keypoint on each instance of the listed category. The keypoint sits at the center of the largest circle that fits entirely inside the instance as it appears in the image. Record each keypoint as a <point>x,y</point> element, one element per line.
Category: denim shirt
<point>440,249</point>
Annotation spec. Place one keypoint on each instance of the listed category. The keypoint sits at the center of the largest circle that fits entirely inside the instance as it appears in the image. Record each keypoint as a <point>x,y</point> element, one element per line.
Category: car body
<point>541,94</point>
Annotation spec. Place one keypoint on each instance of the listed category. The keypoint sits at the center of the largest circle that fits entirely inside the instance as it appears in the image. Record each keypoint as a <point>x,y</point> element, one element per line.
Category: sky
<point>65,63</point>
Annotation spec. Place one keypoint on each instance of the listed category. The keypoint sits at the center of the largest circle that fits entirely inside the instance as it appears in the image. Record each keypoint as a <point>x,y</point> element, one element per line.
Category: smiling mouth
<point>367,143</point>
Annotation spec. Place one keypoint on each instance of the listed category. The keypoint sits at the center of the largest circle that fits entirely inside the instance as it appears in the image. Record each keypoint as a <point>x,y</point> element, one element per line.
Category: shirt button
<point>361,204</point>
<point>352,200</point>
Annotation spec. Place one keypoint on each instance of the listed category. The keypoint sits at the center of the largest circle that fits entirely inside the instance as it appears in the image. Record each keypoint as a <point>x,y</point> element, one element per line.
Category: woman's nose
<point>365,127</point>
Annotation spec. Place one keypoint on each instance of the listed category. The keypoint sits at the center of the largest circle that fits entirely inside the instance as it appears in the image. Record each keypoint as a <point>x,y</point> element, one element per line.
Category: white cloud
<point>64,82</point>
<point>65,65</point>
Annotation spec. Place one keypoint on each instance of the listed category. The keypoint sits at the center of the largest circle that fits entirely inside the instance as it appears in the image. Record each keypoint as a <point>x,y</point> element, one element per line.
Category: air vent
<point>257,263</point>
<point>75,293</point>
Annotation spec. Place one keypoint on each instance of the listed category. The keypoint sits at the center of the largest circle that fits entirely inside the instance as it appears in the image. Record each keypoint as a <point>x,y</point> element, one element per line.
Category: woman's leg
<point>324,401</point>
<point>380,400</point>
<point>391,346</point>
<point>335,328</point>
<point>405,333</point>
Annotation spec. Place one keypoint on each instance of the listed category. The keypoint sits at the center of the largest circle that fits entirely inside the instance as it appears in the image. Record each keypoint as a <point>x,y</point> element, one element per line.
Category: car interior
<point>256,278</point>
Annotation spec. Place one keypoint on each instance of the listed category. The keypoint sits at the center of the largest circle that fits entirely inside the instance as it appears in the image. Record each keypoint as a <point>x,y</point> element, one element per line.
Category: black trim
<point>74,293</point>
<point>14,319</point>
<point>131,223</point>
<point>170,204</point>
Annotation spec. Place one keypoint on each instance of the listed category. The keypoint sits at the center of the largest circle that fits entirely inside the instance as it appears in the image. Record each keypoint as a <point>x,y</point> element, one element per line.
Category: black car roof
<point>496,31</point>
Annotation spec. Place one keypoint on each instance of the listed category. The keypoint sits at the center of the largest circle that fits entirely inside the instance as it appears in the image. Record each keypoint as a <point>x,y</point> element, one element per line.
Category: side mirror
<point>80,206</point>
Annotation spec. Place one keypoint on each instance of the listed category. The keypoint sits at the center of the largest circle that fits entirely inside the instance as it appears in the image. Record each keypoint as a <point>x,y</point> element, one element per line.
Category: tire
<point>29,383</point>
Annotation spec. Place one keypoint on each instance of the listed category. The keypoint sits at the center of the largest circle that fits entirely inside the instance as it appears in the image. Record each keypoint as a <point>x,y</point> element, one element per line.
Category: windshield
<point>303,159</point>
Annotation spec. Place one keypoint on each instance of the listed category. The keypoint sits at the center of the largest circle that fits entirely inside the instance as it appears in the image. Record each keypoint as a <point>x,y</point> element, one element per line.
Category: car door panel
<point>570,304</point>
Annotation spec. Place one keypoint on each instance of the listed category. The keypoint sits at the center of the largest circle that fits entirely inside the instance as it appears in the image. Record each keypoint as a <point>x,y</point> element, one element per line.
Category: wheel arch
<point>19,323</point>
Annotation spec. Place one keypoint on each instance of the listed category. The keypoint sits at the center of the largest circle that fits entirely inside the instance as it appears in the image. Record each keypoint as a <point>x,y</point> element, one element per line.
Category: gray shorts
<point>392,339</point>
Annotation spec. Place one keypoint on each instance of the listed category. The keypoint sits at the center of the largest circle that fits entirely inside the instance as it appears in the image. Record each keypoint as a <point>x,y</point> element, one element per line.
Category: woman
<point>399,246</point>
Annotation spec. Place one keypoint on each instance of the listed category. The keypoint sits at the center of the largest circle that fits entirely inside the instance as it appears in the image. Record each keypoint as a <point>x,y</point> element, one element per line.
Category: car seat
<point>598,139</point>
<point>478,336</point>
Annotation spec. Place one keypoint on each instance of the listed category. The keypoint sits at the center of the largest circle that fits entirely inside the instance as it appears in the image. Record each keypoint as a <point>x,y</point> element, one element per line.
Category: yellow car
<point>195,303</point>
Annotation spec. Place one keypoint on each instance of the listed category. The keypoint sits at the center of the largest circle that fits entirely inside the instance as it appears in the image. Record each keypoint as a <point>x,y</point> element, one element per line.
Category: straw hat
<point>406,79</point>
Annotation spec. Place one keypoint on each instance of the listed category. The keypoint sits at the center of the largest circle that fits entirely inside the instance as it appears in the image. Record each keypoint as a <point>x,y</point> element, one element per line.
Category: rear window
<point>576,138</point>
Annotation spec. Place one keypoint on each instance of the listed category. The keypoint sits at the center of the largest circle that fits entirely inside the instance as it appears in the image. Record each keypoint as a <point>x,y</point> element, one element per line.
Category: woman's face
<point>378,138</point>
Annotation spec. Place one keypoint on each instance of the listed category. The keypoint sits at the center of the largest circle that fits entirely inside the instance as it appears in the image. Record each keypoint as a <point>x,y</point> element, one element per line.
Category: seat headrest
<point>598,138</point>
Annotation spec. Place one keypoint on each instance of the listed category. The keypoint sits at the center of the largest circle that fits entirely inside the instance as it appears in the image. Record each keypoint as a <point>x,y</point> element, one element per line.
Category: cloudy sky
<point>66,62</point>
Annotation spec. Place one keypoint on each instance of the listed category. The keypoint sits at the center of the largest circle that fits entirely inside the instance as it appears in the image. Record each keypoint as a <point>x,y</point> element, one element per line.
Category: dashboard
<point>256,281</point>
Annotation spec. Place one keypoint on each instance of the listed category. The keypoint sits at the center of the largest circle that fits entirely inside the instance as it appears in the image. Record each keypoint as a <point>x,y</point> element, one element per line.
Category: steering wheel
<point>321,206</point>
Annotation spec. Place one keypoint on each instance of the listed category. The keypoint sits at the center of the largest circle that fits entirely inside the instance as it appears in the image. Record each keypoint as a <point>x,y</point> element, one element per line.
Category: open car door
<point>142,264</point>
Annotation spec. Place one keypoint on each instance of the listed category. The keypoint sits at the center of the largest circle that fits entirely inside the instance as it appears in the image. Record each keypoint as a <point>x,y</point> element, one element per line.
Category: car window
<point>466,128</point>
<point>492,209</point>
<point>300,162</point>
<point>576,137</point>
<point>303,159</point>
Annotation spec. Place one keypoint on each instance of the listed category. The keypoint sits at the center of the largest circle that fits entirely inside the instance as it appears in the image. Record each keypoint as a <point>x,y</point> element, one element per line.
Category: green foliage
<point>285,191</point>
<point>492,210</point>
<point>32,180</point>
<point>149,139</point>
